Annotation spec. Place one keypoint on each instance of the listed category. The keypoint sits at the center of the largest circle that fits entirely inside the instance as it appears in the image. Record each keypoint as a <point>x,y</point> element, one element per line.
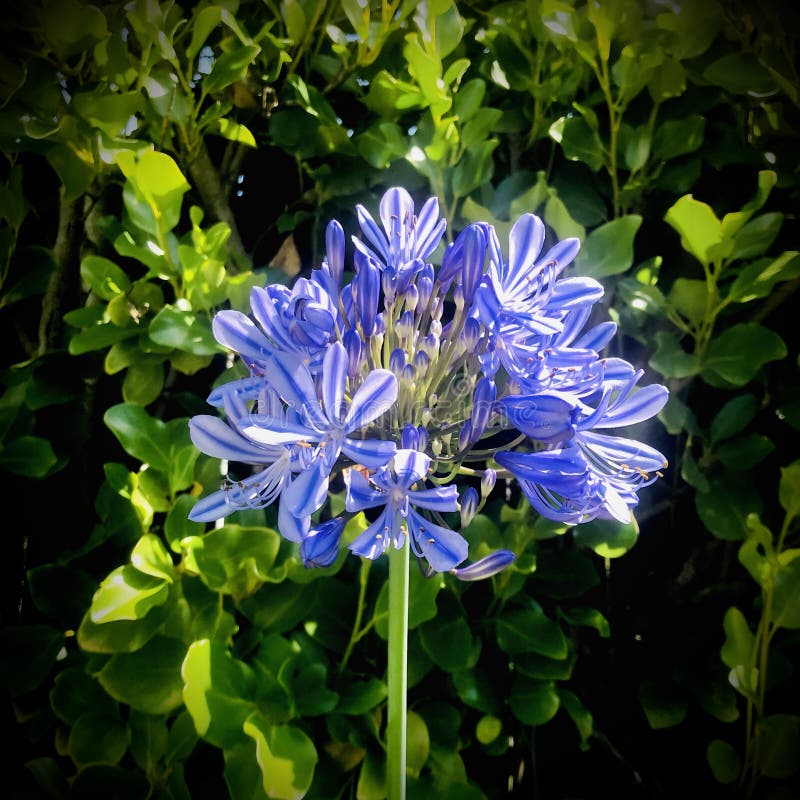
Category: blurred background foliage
<point>161,158</point>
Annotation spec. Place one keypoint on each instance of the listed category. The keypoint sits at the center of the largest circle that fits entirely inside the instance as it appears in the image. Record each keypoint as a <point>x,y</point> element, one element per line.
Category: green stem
<point>398,647</point>
<point>362,595</point>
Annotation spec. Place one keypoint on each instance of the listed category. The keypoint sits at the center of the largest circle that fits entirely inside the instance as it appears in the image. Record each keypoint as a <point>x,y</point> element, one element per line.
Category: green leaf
<point>759,278</point>
<point>149,737</point>
<point>278,607</point>
<point>725,506</point>
<point>737,650</point>
<point>218,692</point>
<point>229,68</point>
<point>698,226</point>
<point>29,652</point>
<point>670,359</point>
<point>148,680</point>
<point>144,381</point>
<point>690,298</point>
<point>786,599</point>
<point>579,714</point>
<point>359,695</point>
<point>779,735</point>
<point>124,636</point>
<point>733,417</point>
<point>475,167</point>
<point>184,330</point>
<point>530,630</point>
<point>234,559</point>
<point>151,557</point>
<point>286,756</point>
<point>579,141</point>
<point>178,526</point>
<point>418,743</point>
<point>789,489</point>
<point>558,217</point>
<point>740,73</point>
<point>105,780</point>
<point>744,452</point>
<point>449,643</point>
<point>608,538</point>
<point>74,693</point>
<point>127,594</point>
<point>755,238</point>
<point>739,352</point>
<point>533,665</point>
<point>104,277</point>
<point>677,137</point>
<point>488,729</point>
<point>663,705</point>
<point>97,739</point>
<point>99,337</point>
<point>142,436</point>
<point>608,250</point>
<point>723,760</point>
<point>233,131</point>
<point>29,456</point>
<point>588,617</point>
<point>533,702</point>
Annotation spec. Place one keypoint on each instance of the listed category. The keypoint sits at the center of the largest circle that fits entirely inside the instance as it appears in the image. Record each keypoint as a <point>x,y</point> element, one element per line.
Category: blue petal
<point>597,337</point>
<point>374,398</point>
<point>370,453</point>
<point>397,210</point>
<point>410,466</point>
<point>360,494</point>
<point>276,430</point>
<point>246,388</point>
<point>212,507</point>
<point>371,231</point>
<point>292,380</point>
<point>482,407</point>
<point>334,250</point>
<point>213,437</point>
<point>442,498</point>
<point>525,243</point>
<point>637,407</point>
<point>291,527</point>
<point>569,293</point>
<point>266,304</point>
<point>334,378</point>
<point>378,536</point>
<point>562,253</point>
<point>307,492</point>
<point>474,258</point>
<point>442,548</point>
<point>238,332</point>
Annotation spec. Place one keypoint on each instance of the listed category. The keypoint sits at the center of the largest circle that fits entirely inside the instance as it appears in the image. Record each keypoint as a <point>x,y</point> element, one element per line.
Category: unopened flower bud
<point>355,352</point>
<point>485,567</point>
<point>405,325</point>
<point>488,480</point>
<point>436,447</point>
<point>425,287</point>
<point>458,297</point>
<point>334,250</point>
<point>397,360</point>
<point>409,438</point>
<point>320,546</point>
<point>389,289</point>
<point>421,363</point>
<point>408,373</point>
<point>465,436</point>
<point>471,334</point>
<point>412,297</point>
<point>423,438</point>
<point>469,505</point>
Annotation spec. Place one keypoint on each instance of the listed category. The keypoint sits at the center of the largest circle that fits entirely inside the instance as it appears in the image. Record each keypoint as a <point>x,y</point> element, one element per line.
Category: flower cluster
<point>406,377</point>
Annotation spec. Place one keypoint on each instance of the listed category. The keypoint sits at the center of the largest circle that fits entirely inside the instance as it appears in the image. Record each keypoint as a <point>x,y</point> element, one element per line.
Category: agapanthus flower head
<point>409,379</point>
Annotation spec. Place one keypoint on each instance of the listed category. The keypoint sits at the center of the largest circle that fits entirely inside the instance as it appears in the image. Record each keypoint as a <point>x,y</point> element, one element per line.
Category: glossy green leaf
<point>183,330</point>
<point>151,557</point>
<point>737,650</point>
<point>104,277</point>
<point>75,692</point>
<point>740,73</point>
<point>533,702</point>
<point>229,68</point>
<point>358,695</point>
<point>744,452</point>
<point>579,714</point>
<point>149,737</point>
<point>670,359</point>
<point>690,298</point>
<point>755,237</point>
<point>127,594</point>
<point>540,667</point>
<point>579,141</point>
<point>723,509</point>
<point>488,729</point>
<point>698,226</point>
<point>234,559</point>
<point>29,652</point>
<point>608,538</point>
<point>148,680</point>
<point>449,643</point>
<point>733,417</point>
<point>758,279</point>
<point>124,636</point>
<point>608,250</point>
<point>418,743</point>
<point>97,739</point>
<point>142,436</point>
<point>29,456</point>
<point>218,691</point>
<point>530,630</point>
<point>789,489</point>
<point>723,760</point>
<point>663,705</point>
<point>677,137</point>
<point>739,352</point>
<point>786,600</point>
<point>144,381</point>
<point>286,756</point>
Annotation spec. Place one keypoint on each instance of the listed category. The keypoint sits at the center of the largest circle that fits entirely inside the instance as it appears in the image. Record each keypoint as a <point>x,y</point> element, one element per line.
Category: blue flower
<point>320,546</point>
<point>323,429</point>
<point>442,548</point>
